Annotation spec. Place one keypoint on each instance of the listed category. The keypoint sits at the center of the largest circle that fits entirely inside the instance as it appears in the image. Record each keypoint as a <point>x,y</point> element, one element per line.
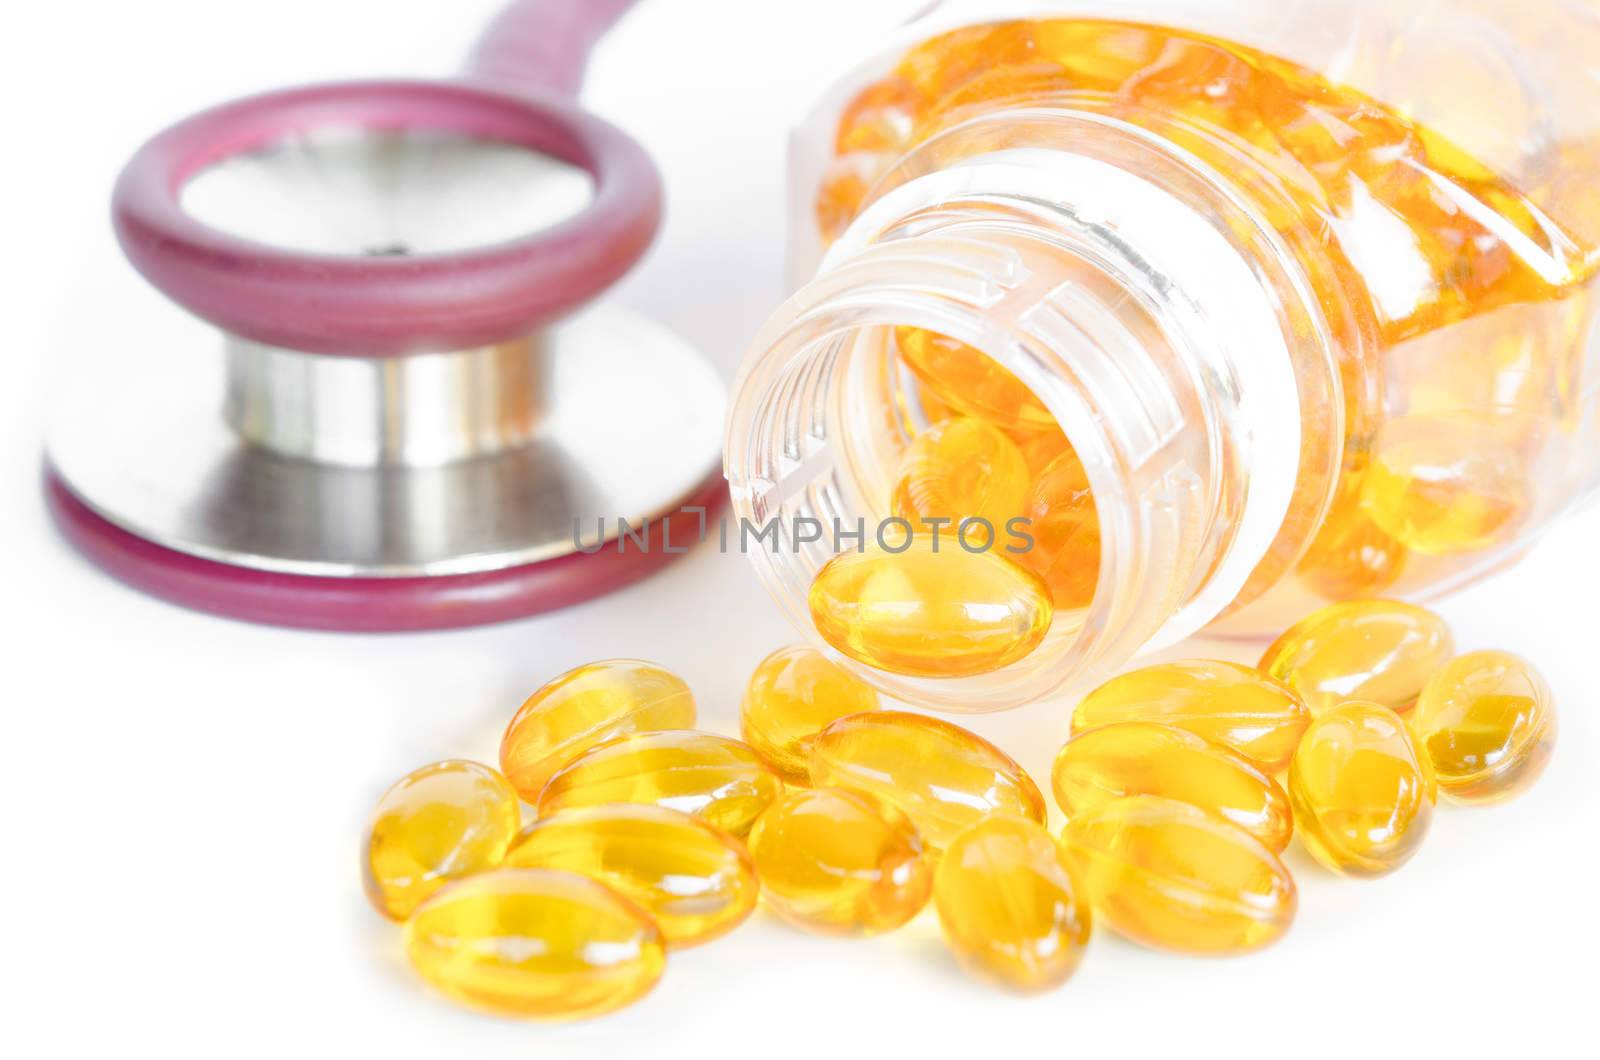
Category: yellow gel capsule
<point>971,381</point>
<point>716,779</point>
<point>1362,795</point>
<point>584,707</point>
<point>1009,905</point>
<point>1487,723</point>
<point>1378,651</point>
<point>1040,448</point>
<point>1142,758</point>
<point>1170,875</point>
<point>1065,526</point>
<point>1351,557</point>
<point>927,613</point>
<point>959,469</point>
<point>840,861</point>
<point>794,694</point>
<point>1445,483</point>
<point>535,942</point>
<point>1228,704</point>
<point>696,881</point>
<point>437,823</point>
<point>945,777</point>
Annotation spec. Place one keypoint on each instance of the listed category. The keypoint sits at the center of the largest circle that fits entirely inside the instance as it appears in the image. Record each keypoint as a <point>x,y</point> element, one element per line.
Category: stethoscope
<point>417,429</point>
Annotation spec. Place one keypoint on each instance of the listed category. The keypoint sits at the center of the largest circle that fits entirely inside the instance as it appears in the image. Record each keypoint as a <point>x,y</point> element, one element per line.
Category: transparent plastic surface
<point>1307,286</point>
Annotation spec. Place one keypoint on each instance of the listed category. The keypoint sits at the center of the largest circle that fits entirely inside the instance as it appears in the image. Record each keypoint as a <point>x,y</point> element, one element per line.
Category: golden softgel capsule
<point>1487,723</point>
<point>958,469</point>
<point>1170,875</point>
<point>1362,795</point>
<point>696,881</point>
<point>1065,526</point>
<point>719,780</point>
<point>794,694</point>
<point>583,707</point>
<point>535,942</point>
<point>945,777</point>
<point>1446,483</point>
<point>1009,906</point>
<point>840,861</point>
<point>1142,758</point>
<point>971,381</point>
<point>1228,704</point>
<point>437,823</point>
<point>930,612</point>
<point>1377,651</point>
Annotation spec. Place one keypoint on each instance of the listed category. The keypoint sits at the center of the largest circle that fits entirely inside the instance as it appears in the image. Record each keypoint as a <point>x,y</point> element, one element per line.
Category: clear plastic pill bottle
<point>1308,285</point>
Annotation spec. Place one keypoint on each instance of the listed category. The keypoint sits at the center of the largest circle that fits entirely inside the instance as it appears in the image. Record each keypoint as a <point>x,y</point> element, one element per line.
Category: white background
<point>183,797</point>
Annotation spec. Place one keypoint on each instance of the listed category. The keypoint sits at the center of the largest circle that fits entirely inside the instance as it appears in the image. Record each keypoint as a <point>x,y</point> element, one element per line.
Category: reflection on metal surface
<point>345,190</point>
<point>622,419</point>
<point>421,410</point>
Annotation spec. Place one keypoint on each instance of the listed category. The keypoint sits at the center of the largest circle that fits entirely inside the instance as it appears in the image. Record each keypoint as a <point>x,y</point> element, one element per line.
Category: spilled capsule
<point>794,694</point>
<point>1235,706</point>
<point>1487,724</point>
<point>944,777</point>
<point>586,706</point>
<point>535,942</point>
<point>1170,875</point>
<point>840,861</point>
<point>1142,758</point>
<point>1009,906</point>
<point>694,880</point>
<point>719,780</point>
<point>1378,651</point>
<point>930,610</point>
<point>1362,795</point>
<point>437,823</point>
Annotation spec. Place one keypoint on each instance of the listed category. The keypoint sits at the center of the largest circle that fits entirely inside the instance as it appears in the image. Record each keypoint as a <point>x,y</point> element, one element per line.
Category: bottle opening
<point>1101,317</point>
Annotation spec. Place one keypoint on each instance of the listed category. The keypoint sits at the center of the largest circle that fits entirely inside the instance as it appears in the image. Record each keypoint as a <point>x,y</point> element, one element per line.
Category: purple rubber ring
<point>375,605</point>
<point>387,306</point>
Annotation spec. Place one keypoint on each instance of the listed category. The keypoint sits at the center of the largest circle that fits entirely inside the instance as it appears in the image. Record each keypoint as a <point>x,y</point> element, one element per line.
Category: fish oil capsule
<point>840,861</point>
<point>934,408</point>
<point>1142,758</point>
<point>584,707</point>
<point>1170,875</point>
<point>1362,795</point>
<point>1065,527</point>
<point>1009,905</point>
<point>535,942</point>
<point>1040,448</point>
<point>794,694</point>
<point>694,880</point>
<point>945,777</point>
<point>1445,483</point>
<point>716,779</point>
<point>1228,704</point>
<point>1378,651</point>
<point>962,468</point>
<point>439,822</point>
<point>971,381</point>
<point>1487,723</point>
<point>1351,557</point>
<point>930,613</point>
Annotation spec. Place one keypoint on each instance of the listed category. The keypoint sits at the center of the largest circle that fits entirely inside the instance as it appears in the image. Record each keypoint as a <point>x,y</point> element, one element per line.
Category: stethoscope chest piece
<point>384,402</point>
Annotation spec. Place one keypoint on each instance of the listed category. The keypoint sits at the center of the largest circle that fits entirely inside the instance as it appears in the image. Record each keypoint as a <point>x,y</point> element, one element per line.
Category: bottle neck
<point>1142,303</point>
